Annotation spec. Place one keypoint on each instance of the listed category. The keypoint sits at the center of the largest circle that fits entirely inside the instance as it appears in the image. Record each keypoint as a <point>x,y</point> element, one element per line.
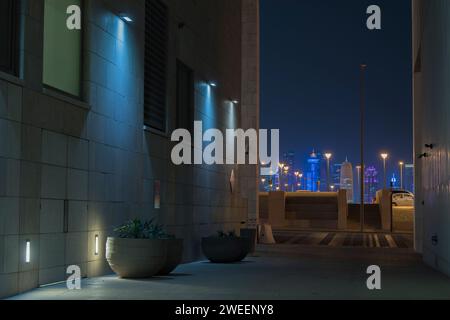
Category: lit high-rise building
<point>394,182</point>
<point>346,180</point>
<point>289,161</point>
<point>371,184</point>
<point>336,175</point>
<point>313,172</point>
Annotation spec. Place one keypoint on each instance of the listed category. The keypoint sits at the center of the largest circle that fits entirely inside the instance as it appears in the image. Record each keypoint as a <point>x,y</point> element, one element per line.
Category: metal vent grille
<point>156,46</point>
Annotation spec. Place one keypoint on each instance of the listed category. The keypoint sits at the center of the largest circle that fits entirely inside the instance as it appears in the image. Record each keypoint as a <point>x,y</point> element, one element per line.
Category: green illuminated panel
<point>62,48</point>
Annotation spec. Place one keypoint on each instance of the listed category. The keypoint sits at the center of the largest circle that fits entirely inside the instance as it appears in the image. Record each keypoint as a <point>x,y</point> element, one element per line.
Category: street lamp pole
<point>328,157</point>
<point>362,115</point>
<point>286,174</point>
<point>401,174</point>
<point>384,156</point>
<point>280,175</point>
<point>297,174</point>
<point>301,181</point>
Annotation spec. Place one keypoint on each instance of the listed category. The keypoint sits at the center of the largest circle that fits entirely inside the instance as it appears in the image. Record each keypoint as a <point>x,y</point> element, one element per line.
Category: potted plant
<point>252,235</point>
<point>143,250</point>
<point>225,247</point>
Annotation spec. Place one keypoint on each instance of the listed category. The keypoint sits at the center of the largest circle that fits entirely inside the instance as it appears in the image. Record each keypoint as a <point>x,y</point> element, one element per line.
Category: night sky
<point>310,56</point>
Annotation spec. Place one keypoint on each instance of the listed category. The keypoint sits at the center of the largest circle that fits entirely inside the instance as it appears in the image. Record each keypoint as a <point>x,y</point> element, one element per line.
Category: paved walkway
<point>277,272</point>
<point>345,239</point>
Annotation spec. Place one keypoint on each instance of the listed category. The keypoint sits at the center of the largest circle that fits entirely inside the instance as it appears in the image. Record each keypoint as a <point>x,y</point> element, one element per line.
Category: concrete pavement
<point>275,272</point>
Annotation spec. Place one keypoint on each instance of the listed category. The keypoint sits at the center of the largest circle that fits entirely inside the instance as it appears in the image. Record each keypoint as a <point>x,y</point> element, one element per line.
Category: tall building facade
<point>313,174</point>
<point>86,118</point>
<point>394,182</point>
<point>336,175</point>
<point>371,184</point>
<point>289,178</point>
<point>431,80</point>
<point>346,180</point>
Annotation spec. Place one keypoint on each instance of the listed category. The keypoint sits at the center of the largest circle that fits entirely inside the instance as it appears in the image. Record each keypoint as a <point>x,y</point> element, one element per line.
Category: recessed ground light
<point>213,84</point>
<point>96,245</point>
<point>28,251</point>
<point>235,102</point>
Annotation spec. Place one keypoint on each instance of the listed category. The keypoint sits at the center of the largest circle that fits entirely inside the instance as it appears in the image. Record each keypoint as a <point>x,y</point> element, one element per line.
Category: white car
<point>403,199</point>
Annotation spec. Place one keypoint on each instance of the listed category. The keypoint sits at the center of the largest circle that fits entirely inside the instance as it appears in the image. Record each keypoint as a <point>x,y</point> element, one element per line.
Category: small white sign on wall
<point>157,194</point>
<point>232,181</point>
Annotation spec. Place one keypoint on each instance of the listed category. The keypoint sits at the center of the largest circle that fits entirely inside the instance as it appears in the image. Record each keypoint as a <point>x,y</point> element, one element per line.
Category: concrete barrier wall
<point>305,209</point>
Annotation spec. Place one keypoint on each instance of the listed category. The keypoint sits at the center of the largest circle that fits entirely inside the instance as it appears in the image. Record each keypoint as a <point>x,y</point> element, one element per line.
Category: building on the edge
<point>87,115</point>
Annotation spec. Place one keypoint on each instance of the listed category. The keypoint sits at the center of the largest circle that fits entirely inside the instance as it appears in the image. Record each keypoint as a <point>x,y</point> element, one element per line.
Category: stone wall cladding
<point>91,160</point>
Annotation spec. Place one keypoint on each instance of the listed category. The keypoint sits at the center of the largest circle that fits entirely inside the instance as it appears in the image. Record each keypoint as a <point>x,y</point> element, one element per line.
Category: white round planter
<point>174,256</point>
<point>136,258</point>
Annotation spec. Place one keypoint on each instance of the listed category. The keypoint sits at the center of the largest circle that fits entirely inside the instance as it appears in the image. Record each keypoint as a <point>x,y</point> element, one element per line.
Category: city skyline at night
<point>310,79</point>
<point>310,175</point>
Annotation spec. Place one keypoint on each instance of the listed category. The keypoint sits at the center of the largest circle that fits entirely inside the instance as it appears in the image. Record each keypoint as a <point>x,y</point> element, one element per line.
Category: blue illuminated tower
<point>313,173</point>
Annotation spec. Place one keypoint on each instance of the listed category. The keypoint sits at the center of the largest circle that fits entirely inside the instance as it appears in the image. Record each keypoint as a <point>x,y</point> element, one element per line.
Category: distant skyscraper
<point>408,178</point>
<point>394,182</point>
<point>323,173</point>
<point>289,160</point>
<point>371,184</point>
<point>346,181</point>
<point>336,175</point>
<point>313,173</point>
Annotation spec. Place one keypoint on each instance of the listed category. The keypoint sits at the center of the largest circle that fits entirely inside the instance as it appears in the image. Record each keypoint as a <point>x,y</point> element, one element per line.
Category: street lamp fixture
<point>297,175</point>
<point>281,166</point>
<point>384,156</point>
<point>401,164</point>
<point>286,172</point>
<point>328,157</point>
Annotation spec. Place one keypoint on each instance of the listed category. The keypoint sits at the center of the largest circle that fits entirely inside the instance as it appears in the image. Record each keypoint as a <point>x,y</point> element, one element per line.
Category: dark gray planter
<point>174,256</point>
<point>251,234</point>
<point>225,250</point>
